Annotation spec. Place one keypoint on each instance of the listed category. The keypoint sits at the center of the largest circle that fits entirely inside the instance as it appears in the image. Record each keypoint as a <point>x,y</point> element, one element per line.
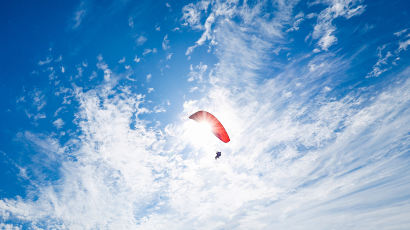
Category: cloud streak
<point>389,54</point>
<point>79,15</point>
<point>324,29</point>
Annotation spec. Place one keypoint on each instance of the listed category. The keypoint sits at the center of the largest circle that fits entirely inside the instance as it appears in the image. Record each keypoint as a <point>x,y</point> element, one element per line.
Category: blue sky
<point>96,97</point>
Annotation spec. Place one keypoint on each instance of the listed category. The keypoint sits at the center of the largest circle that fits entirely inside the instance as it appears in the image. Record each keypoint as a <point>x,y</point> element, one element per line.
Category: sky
<point>96,95</point>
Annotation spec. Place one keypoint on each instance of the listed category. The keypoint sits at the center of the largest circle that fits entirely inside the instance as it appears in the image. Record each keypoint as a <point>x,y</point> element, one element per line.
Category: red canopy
<point>217,127</point>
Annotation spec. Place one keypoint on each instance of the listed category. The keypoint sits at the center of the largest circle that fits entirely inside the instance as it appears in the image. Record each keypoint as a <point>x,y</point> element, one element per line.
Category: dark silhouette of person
<point>218,154</point>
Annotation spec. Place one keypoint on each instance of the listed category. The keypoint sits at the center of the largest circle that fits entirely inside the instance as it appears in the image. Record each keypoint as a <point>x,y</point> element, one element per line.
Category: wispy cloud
<point>223,13</point>
<point>148,51</point>
<point>58,123</point>
<point>104,67</point>
<point>141,40</point>
<point>48,60</point>
<point>38,99</point>
<point>97,175</point>
<point>197,73</point>
<point>403,45</point>
<point>298,20</point>
<point>79,15</point>
<point>131,22</point>
<point>401,32</point>
<point>389,54</point>
<point>122,60</point>
<point>192,14</point>
<point>324,29</point>
<point>381,64</point>
<point>137,59</point>
<point>165,43</point>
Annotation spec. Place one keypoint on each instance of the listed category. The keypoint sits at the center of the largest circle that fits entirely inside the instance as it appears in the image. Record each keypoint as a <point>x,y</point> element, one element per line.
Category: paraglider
<point>218,154</point>
<point>216,127</point>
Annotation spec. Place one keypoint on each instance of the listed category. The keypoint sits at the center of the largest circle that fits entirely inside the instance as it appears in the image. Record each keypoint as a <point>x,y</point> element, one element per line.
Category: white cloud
<point>141,40</point>
<point>401,32</point>
<point>206,35</point>
<point>58,123</point>
<point>48,60</point>
<point>79,15</point>
<point>193,89</point>
<point>327,40</point>
<point>165,43</point>
<point>131,22</point>
<point>149,76</point>
<point>122,60</point>
<point>59,59</point>
<point>137,59</point>
<point>314,67</point>
<point>58,111</point>
<point>324,29</point>
<point>192,14</point>
<point>100,168</point>
<point>36,116</point>
<point>380,66</point>
<point>93,75</point>
<point>9,226</point>
<point>38,99</point>
<point>298,19</point>
<point>223,13</point>
<point>104,67</point>
<point>388,56</point>
<point>148,51</point>
<point>197,73</point>
<point>311,15</point>
<point>159,109</point>
<point>79,71</point>
<point>403,45</point>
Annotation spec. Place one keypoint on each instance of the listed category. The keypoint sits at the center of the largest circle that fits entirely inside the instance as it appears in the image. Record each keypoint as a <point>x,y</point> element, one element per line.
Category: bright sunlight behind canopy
<point>217,128</point>
<point>200,134</point>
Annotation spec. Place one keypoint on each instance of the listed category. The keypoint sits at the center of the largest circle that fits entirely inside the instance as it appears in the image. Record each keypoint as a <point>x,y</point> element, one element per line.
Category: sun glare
<point>200,134</point>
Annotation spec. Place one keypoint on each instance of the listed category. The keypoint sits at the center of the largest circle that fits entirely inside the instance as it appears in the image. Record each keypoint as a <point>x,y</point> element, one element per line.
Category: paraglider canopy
<point>216,127</point>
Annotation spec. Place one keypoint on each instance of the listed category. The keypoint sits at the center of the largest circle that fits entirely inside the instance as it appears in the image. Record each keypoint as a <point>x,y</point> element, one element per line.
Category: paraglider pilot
<point>218,154</point>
